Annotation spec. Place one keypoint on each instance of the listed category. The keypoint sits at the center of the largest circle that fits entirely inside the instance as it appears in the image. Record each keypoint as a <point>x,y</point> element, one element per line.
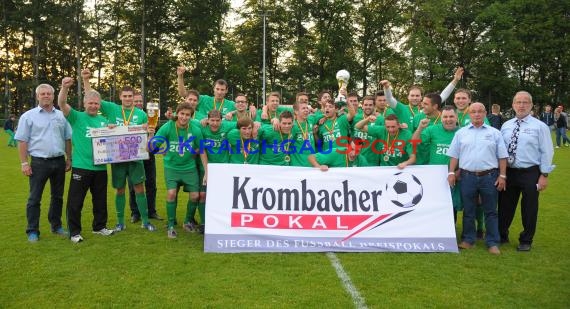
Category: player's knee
<point>194,196</point>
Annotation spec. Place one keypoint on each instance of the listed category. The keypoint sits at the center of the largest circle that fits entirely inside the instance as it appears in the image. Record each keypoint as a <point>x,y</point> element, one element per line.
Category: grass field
<point>140,269</point>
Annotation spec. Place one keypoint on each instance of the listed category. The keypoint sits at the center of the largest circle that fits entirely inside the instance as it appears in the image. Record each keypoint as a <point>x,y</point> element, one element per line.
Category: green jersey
<point>412,112</point>
<point>180,156</point>
<point>243,151</point>
<point>81,139</point>
<point>215,144</point>
<point>337,158</point>
<point>437,140</point>
<point>423,149</point>
<point>275,146</point>
<point>272,115</point>
<point>316,116</point>
<point>116,114</point>
<point>206,103</point>
<point>333,129</point>
<point>302,134</point>
<point>372,157</point>
<point>399,146</point>
<point>421,116</point>
<point>402,111</point>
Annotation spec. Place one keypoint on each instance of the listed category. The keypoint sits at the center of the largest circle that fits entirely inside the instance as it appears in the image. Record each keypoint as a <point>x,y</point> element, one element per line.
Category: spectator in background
<point>561,120</point>
<point>565,114</point>
<point>495,118</point>
<point>9,128</point>
<point>547,116</point>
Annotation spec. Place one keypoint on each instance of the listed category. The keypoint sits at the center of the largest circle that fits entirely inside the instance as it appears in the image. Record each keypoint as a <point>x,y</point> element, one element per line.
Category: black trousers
<point>149,187</point>
<point>520,181</point>
<point>42,170</point>
<point>81,181</point>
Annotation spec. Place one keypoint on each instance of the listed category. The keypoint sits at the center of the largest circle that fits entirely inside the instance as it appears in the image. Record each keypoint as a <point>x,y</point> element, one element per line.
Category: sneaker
<point>104,231</point>
<point>155,216</point>
<point>33,237</point>
<point>76,239</point>
<point>60,231</point>
<point>190,227</point>
<point>119,227</point>
<point>135,219</point>
<point>201,228</point>
<point>172,233</point>
<point>557,147</point>
<point>149,227</point>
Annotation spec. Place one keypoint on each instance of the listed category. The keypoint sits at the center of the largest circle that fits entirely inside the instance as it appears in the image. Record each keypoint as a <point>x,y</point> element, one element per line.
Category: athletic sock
<point>202,211</point>
<point>190,211</point>
<point>142,206</point>
<point>171,212</point>
<point>120,208</point>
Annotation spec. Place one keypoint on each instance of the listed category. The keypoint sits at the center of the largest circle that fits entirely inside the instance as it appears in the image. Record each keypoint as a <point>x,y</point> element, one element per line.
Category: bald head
<point>477,113</point>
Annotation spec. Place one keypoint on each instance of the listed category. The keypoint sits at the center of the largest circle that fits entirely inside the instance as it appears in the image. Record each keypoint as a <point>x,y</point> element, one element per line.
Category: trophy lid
<point>343,75</point>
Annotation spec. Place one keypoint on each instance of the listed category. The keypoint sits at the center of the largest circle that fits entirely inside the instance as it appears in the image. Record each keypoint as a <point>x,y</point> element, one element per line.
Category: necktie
<point>512,149</point>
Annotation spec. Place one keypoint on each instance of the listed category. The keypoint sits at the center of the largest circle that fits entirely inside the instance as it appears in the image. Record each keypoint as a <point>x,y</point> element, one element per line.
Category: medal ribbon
<point>305,132</point>
<point>391,147</point>
<point>127,121</point>
<point>245,153</point>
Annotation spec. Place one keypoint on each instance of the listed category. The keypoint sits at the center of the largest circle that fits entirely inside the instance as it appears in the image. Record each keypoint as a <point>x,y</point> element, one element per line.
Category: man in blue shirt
<point>529,163</point>
<point>480,151</point>
<point>45,136</point>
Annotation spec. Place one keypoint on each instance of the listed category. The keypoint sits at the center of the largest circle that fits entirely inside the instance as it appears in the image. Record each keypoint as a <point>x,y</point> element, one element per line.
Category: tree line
<point>505,46</point>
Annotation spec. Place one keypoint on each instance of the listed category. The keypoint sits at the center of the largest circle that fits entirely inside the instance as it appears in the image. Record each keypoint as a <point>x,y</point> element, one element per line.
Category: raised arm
<point>388,93</point>
<point>85,76</point>
<point>362,125</point>
<point>351,112</point>
<point>418,132</point>
<point>449,89</point>
<point>66,83</point>
<point>180,81</point>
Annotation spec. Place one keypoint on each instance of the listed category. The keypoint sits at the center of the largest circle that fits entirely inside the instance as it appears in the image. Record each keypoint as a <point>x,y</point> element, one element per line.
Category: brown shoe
<point>494,250</point>
<point>465,245</point>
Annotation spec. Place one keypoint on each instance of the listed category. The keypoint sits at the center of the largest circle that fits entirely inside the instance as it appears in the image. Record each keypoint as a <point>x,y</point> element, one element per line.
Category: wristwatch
<point>545,174</point>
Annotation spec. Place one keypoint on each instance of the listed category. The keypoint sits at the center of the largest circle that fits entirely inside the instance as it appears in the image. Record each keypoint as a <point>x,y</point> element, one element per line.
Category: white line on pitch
<point>357,299</point>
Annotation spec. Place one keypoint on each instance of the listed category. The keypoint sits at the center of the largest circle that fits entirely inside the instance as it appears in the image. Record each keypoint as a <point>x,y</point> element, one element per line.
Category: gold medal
<point>287,159</point>
<point>386,158</point>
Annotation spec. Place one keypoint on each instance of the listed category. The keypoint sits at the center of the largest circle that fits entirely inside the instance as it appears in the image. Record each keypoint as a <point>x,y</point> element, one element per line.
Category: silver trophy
<point>342,77</point>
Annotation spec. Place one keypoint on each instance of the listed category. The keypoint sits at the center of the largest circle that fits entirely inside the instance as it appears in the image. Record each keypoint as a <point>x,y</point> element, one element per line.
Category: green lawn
<point>137,268</point>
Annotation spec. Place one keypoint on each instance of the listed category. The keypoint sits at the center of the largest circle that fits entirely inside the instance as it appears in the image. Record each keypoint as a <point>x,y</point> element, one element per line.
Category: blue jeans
<point>471,187</point>
<point>561,134</point>
<point>42,170</point>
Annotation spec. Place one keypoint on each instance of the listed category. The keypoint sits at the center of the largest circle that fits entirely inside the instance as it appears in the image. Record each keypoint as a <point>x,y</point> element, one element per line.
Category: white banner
<point>259,208</point>
<point>119,144</point>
